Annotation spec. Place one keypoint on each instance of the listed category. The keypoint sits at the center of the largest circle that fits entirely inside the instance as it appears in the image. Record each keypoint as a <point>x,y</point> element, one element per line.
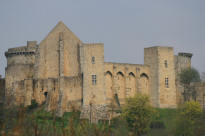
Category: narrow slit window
<point>93,60</point>
<point>94,79</point>
<point>165,64</point>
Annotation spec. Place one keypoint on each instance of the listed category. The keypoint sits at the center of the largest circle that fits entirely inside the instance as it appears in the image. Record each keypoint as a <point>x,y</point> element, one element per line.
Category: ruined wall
<point>58,52</point>
<point>20,65</point>
<point>161,62</point>
<point>182,61</point>
<point>200,93</point>
<point>72,93</point>
<point>125,80</point>
<point>2,89</point>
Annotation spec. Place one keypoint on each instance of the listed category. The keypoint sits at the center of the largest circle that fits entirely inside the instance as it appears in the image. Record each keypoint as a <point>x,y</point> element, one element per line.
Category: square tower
<point>92,68</point>
<point>162,75</point>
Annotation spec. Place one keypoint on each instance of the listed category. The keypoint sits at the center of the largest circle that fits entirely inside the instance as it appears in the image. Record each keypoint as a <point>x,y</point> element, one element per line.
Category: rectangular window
<point>93,60</point>
<point>167,82</point>
<point>94,79</point>
<point>165,64</point>
<point>128,90</point>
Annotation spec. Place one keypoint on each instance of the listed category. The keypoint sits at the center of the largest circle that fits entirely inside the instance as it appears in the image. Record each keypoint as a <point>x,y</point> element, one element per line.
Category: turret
<point>20,64</point>
<point>182,61</point>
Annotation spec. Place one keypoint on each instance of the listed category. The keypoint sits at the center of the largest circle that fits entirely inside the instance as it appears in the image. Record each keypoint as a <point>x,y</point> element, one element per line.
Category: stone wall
<point>20,66</point>
<point>64,72</point>
<point>92,64</point>
<point>162,69</point>
<point>125,80</point>
<point>72,94</point>
<point>50,57</point>
<point>200,92</point>
<point>2,89</point>
<point>182,61</point>
<point>151,59</point>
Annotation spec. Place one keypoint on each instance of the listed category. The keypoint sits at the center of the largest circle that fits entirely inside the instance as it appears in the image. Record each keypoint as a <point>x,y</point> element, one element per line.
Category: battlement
<point>23,50</point>
<point>189,55</point>
<point>117,63</point>
<point>9,54</point>
<point>159,47</point>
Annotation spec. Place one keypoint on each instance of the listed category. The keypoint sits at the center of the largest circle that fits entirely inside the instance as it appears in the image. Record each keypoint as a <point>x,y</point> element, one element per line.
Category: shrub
<point>158,124</point>
<point>138,113</point>
<point>33,105</point>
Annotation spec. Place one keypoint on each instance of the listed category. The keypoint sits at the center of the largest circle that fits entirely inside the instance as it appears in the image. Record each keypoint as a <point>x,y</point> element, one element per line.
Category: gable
<point>48,60</point>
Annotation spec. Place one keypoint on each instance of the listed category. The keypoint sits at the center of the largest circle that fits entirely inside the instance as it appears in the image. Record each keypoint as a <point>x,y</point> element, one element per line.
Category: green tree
<point>187,76</point>
<point>189,114</point>
<point>138,112</point>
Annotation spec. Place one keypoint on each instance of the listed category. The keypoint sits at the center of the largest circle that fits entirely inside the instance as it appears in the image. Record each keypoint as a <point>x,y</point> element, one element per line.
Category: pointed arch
<point>132,74</point>
<point>120,73</point>
<point>144,75</point>
<point>144,83</point>
<point>108,72</point>
<point>108,85</point>
<point>130,85</point>
<point>120,83</point>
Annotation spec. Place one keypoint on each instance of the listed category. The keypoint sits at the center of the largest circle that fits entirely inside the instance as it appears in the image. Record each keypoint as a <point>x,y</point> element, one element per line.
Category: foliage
<point>200,128</point>
<point>166,117</point>
<point>33,105</point>
<point>21,122</point>
<point>186,77</point>
<point>189,75</point>
<point>119,126</point>
<point>191,110</point>
<point>138,113</point>
<point>189,114</point>
<point>157,124</point>
<point>203,76</point>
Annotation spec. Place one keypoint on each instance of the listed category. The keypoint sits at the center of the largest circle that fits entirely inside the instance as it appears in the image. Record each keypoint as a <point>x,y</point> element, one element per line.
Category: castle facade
<point>62,71</point>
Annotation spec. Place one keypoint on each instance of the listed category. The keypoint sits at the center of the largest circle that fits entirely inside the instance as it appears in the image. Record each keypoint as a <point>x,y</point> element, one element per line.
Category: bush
<point>33,105</point>
<point>157,124</point>
<point>186,122</point>
<point>138,113</point>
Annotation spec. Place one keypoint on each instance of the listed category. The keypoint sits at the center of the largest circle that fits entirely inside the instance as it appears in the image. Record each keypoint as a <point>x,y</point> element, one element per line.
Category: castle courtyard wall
<point>125,80</point>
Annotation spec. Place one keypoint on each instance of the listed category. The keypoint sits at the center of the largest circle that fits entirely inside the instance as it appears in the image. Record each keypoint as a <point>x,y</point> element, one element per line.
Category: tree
<point>189,114</point>
<point>187,76</point>
<point>203,76</point>
<point>138,112</point>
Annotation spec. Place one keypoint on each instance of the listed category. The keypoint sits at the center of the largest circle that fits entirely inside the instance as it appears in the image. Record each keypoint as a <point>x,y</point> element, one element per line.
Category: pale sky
<point>125,27</point>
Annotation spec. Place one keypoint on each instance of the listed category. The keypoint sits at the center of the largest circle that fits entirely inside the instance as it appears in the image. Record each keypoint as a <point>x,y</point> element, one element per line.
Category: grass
<point>168,117</point>
<point>37,121</point>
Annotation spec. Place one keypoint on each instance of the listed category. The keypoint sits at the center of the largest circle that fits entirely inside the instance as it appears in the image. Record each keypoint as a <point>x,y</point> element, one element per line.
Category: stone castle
<point>62,71</point>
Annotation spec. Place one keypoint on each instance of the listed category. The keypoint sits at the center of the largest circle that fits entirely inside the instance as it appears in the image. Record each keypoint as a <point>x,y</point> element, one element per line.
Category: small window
<point>94,79</point>
<point>93,60</point>
<point>167,82</point>
<point>46,94</point>
<point>128,90</point>
<point>165,64</point>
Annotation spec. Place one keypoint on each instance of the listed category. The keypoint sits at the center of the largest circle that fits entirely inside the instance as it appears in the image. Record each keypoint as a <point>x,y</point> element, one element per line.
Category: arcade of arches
<point>125,86</point>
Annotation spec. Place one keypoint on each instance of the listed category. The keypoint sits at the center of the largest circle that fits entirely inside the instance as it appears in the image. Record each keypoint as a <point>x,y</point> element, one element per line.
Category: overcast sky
<point>125,27</point>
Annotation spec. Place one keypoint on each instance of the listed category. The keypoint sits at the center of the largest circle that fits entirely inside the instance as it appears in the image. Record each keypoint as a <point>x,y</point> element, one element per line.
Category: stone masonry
<point>64,72</point>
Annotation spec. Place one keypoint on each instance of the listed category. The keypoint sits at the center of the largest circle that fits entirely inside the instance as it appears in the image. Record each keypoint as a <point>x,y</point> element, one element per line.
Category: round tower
<point>20,62</point>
